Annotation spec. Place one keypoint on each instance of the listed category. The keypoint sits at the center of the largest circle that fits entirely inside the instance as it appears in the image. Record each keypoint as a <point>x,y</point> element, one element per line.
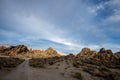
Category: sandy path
<point>22,72</point>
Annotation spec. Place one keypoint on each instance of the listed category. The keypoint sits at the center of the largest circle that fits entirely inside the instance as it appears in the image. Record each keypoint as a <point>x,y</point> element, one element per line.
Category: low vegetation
<point>42,62</point>
<point>37,63</point>
<point>102,71</point>
<point>9,62</point>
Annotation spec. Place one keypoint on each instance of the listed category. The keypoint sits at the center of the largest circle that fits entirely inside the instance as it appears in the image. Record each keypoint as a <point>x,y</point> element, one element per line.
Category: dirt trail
<point>19,73</point>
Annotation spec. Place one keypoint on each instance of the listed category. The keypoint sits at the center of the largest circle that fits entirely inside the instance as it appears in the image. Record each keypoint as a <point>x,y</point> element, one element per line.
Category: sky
<point>65,25</point>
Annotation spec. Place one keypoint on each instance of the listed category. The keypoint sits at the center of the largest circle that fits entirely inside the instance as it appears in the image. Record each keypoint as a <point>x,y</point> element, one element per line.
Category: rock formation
<point>23,51</point>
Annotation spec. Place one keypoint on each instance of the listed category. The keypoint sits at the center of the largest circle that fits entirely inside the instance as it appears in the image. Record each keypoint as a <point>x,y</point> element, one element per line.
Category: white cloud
<point>93,9</point>
<point>33,25</point>
<point>115,17</point>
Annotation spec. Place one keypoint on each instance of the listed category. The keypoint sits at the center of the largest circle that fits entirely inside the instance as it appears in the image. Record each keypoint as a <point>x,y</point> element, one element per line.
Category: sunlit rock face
<point>14,50</point>
<point>35,53</point>
<point>23,51</point>
<point>83,52</point>
<point>50,52</point>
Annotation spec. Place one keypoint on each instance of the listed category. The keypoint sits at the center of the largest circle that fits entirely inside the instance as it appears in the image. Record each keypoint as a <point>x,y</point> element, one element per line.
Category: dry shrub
<point>78,76</point>
<point>9,62</point>
<point>37,63</point>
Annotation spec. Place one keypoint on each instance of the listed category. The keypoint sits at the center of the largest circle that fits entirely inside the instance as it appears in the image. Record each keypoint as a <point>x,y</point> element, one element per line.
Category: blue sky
<point>66,25</point>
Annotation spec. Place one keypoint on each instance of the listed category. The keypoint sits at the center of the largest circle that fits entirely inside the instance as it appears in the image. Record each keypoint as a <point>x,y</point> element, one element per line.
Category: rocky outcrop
<point>50,52</point>
<point>102,54</point>
<point>84,52</point>
<point>23,51</point>
<point>101,58</point>
<point>87,53</point>
<point>14,50</point>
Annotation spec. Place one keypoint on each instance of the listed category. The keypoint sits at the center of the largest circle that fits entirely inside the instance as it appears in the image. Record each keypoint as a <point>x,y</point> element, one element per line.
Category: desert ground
<point>59,71</point>
<point>25,72</point>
